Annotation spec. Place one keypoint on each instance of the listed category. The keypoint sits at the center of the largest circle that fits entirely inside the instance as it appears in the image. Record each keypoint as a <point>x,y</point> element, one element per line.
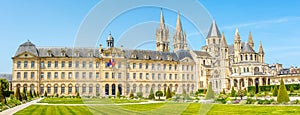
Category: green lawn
<point>87,101</point>
<point>161,108</point>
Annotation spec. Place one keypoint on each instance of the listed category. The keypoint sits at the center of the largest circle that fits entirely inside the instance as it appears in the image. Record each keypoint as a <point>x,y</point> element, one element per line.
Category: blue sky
<point>56,22</point>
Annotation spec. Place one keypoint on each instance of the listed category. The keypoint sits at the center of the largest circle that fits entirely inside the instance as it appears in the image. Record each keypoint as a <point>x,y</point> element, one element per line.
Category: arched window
<point>62,89</point>
<point>134,88</point>
<point>70,89</point>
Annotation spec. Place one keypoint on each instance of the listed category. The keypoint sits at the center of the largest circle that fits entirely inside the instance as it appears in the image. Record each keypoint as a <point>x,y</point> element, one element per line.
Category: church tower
<point>237,46</point>
<point>162,36</point>
<point>261,53</point>
<point>179,38</point>
<point>250,40</point>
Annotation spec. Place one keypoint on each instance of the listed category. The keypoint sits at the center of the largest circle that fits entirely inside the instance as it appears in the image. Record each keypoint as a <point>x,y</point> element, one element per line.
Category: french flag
<point>111,62</point>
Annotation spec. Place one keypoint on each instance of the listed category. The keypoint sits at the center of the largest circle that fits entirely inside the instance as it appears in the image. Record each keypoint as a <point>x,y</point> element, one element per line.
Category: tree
<point>77,95</point>
<point>139,94</point>
<point>118,94</point>
<point>282,93</point>
<point>183,92</point>
<point>223,92</point>
<point>151,95</point>
<point>2,97</point>
<point>168,95</point>
<point>291,89</point>
<point>275,91</point>
<point>271,90</point>
<point>45,94</point>
<point>233,92</point>
<point>30,94</point>
<point>18,94</point>
<point>241,93</point>
<point>131,94</point>
<point>159,94</point>
<point>4,84</point>
<point>210,93</point>
<point>34,93</point>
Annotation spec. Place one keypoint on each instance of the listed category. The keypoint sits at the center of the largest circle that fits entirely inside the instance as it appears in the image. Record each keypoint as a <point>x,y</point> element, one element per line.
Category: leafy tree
<point>139,94</point>
<point>2,97</point>
<point>77,95</point>
<point>168,95</point>
<point>131,94</point>
<point>18,94</point>
<point>183,92</point>
<point>282,93</point>
<point>271,90</point>
<point>159,94</point>
<point>233,92</point>
<point>210,93</point>
<point>241,93</point>
<point>4,83</point>
<point>118,94</point>
<point>165,91</point>
<point>45,94</point>
<point>275,91</point>
<point>34,93</point>
<point>291,89</point>
<point>151,95</point>
<point>37,94</point>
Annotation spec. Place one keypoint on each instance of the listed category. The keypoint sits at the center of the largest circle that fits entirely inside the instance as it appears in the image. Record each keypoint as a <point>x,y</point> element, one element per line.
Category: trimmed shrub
<point>291,89</point>
<point>139,94</point>
<point>151,95</point>
<point>241,93</point>
<point>45,94</point>
<point>275,92</point>
<point>131,94</point>
<point>168,95</point>
<point>282,93</point>
<point>118,94</point>
<point>210,93</point>
<point>159,94</point>
<point>233,92</point>
<point>18,94</point>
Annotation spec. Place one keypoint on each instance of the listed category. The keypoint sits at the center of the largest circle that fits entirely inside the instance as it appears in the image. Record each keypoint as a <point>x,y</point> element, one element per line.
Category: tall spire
<point>237,35</point>
<point>213,31</point>
<point>178,23</point>
<point>250,40</point>
<point>162,20</point>
<point>223,41</point>
<point>261,50</point>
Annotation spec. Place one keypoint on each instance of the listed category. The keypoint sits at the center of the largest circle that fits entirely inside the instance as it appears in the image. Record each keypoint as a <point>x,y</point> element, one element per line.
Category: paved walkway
<point>19,107</point>
<point>149,102</point>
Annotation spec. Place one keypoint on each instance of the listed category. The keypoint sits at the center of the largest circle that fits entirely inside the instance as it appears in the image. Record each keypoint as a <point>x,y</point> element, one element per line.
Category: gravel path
<point>18,108</point>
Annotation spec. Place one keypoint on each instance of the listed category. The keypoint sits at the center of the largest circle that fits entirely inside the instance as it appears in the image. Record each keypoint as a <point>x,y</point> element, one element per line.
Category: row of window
<point>69,64</point>
<point>154,77</point>
<point>170,67</point>
<point>26,64</point>
<point>246,57</point>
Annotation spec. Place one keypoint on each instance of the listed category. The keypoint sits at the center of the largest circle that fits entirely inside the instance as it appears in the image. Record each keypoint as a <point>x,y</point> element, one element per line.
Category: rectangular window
<point>119,64</point>
<point>170,76</point>
<point>119,75</point>
<point>56,75</point>
<point>192,68</point>
<point>56,64</point>
<point>25,64</point>
<point>134,75</point>
<point>165,76</point>
<point>170,67</point>
<point>97,75</point>
<point>77,75</point>
<point>32,75</point>
<point>83,64</point>
<point>182,68</point>
<point>106,75</point>
<point>158,66</point>
<point>49,64</point>
<point>141,75</point>
<point>158,76</point>
<point>49,75</point>
<point>70,75</point>
<point>97,64</point>
<point>153,67</point>
<point>146,66</point>
<point>192,77</point>
<point>165,66</point>
<point>25,75</point>
<point>147,75</point>
<point>70,63</point>
<point>91,64</point>
<point>48,89</point>
<point>19,64</point>
<point>42,64</point>
<point>42,75</point>
<point>32,64</point>
<point>133,65</point>
<point>176,77</point>
<point>153,76</point>
<point>127,76</point>
<point>91,75</point>
<point>113,75</point>
<point>77,64</point>
<point>141,65</point>
<point>83,75</point>
<point>62,89</point>
<point>90,89</point>
<point>187,68</point>
<point>62,75</point>
<point>63,64</point>
<point>183,77</point>
<point>70,90</point>
<point>175,67</point>
<point>188,76</point>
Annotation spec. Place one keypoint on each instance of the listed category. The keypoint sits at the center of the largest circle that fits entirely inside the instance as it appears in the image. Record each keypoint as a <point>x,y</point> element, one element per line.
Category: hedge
<point>268,87</point>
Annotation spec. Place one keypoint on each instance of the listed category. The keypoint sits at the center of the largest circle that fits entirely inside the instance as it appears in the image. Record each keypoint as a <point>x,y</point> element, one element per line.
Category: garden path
<point>19,107</point>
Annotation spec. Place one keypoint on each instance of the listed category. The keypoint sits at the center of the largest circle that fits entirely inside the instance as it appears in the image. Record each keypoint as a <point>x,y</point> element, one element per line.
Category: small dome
<point>27,47</point>
<point>110,37</point>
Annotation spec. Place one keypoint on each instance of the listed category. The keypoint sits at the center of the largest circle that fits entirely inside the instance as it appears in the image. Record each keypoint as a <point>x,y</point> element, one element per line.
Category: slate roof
<point>214,31</point>
<point>27,47</point>
<point>201,53</point>
<point>183,53</point>
<point>69,52</point>
<point>246,48</point>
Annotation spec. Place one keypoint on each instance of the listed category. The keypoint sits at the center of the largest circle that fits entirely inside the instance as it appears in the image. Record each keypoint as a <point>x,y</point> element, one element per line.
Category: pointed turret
<point>178,24</point>
<point>237,35</point>
<point>223,41</point>
<point>162,20</point>
<point>260,49</point>
<point>214,31</point>
<point>250,40</point>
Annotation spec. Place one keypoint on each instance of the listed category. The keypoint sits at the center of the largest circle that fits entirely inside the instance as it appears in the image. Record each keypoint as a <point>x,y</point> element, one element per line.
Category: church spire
<point>223,41</point>
<point>162,20</point>
<point>250,40</point>
<point>237,35</point>
<point>214,31</point>
<point>260,49</point>
<point>178,24</point>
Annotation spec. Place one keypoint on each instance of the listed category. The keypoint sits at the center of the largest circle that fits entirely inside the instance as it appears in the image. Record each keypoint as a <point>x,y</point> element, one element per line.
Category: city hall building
<point>105,70</point>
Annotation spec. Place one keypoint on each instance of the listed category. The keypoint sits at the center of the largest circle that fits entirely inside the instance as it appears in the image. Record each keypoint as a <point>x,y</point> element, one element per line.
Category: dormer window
<point>90,54</point>
<point>49,53</point>
<point>63,53</point>
<point>169,57</point>
<point>77,53</point>
<point>133,55</point>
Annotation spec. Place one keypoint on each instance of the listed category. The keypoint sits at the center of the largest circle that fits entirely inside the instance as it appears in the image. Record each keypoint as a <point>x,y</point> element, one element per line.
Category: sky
<point>47,23</point>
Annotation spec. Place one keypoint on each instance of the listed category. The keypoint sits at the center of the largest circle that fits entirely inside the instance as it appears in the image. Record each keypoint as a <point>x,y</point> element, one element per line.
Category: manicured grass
<point>88,101</point>
<point>62,101</point>
<point>161,108</point>
<point>54,110</point>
